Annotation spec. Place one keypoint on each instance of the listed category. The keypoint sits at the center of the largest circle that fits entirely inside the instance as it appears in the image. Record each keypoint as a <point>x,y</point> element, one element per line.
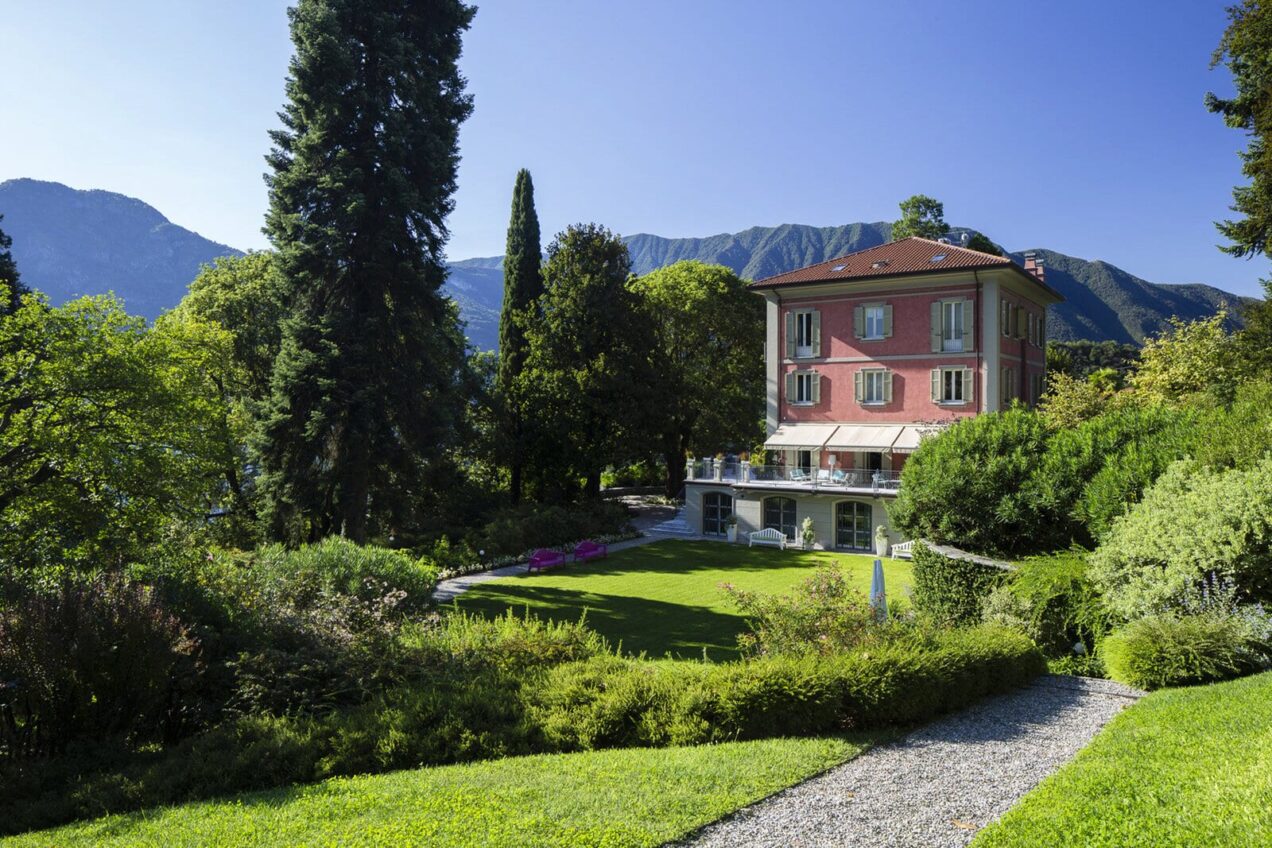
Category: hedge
<point>950,585</point>
<point>603,702</point>
<point>609,702</point>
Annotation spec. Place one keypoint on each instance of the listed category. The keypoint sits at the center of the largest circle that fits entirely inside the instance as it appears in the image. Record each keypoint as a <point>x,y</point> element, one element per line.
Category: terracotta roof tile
<point>908,256</point>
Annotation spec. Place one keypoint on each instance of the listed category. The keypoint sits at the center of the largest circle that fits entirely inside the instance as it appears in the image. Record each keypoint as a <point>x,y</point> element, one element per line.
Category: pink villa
<point>864,356</point>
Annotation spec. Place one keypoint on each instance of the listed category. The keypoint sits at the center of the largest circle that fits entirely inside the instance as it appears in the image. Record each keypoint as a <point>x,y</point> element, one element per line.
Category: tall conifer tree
<point>523,283</point>
<point>9,277</point>
<point>365,388</point>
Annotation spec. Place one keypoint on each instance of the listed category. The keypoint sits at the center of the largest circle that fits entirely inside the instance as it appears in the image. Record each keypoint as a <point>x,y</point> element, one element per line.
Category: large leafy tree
<point>11,286</point>
<point>1246,50</point>
<point>108,440</point>
<point>920,216</point>
<point>707,360</point>
<point>366,388</point>
<point>245,296</point>
<point>523,284</point>
<point>586,374</point>
<point>1188,358</point>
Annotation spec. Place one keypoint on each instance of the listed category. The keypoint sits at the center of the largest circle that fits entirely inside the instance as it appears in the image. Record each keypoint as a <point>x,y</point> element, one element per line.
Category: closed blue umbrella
<point>878,593</point>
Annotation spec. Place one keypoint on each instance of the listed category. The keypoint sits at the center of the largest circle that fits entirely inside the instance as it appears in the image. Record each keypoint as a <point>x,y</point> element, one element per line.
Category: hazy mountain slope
<point>1103,302</point>
<point>69,242</point>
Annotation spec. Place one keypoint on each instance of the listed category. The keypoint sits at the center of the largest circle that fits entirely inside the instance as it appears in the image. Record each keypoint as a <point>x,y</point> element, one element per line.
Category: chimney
<point>1033,265</point>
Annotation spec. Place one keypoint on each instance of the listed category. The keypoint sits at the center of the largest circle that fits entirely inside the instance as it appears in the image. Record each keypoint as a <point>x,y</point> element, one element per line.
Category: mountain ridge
<point>69,242</point>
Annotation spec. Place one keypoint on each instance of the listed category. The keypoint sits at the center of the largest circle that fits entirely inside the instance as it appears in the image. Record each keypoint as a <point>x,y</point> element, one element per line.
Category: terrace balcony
<point>741,474</point>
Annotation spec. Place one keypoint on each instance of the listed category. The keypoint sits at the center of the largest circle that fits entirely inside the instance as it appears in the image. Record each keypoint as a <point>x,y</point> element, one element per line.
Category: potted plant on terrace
<point>806,532</point>
<point>731,528</point>
<point>881,541</point>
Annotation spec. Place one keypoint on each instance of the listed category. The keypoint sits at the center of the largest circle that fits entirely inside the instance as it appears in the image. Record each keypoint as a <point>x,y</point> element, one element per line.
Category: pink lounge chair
<point>544,558</point>
<point>588,549</point>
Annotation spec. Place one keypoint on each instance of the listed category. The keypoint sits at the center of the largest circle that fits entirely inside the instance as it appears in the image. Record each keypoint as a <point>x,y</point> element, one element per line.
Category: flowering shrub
<point>92,657</point>
<point>823,615</point>
<point>1203,635</point>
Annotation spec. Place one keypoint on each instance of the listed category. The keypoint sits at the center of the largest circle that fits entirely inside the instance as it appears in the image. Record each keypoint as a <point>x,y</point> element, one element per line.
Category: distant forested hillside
<point>69,242</point>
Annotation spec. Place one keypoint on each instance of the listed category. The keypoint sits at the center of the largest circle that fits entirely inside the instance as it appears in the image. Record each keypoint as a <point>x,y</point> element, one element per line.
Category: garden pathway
<point>448,590</point>
<point>939,785</point>
<point>646,515</point>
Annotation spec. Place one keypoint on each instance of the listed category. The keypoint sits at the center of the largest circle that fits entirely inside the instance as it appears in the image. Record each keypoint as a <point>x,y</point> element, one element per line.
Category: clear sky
<point>1077,126</point>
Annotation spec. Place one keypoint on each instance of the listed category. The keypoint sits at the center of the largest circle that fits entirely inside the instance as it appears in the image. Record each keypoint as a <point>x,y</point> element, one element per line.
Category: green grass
<point>634,797</point>
<point>665,598</point>
<point>1184,767</point>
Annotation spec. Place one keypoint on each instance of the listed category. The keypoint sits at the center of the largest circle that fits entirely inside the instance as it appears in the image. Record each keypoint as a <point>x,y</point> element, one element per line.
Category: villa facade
<point>864,356</point>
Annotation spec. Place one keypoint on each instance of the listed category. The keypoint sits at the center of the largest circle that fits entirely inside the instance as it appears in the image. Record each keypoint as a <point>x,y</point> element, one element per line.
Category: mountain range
<point>69,242</point>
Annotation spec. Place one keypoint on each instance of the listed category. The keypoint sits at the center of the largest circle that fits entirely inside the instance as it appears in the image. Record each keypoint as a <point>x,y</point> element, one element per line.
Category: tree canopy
<point>11,286</point>
<point>586,373</point>
<point>1246,50</point>
<point>108,431</point>
<point>920,216</point>
<point>365,390</point>
<point>707,356</point>
<point>523,284</point>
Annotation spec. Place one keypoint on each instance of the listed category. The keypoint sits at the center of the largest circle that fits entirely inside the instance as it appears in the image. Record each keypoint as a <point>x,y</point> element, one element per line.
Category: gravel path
<point>939,785</point>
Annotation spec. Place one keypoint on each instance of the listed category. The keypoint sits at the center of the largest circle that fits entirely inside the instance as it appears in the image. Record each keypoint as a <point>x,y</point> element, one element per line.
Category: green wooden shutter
<point>969,326</point>
<point>887,387</point>
<point>858,387</point>
<point>816,387</point>
<point>790,334</point>
<point>817,351</point>
<point>859,321</point>
<point>1042,330</point>
<point>967,385</point>
<point>887,320</point>
<point>790,387</point>
<point>1004,317</point>
<point>936,326</point>
<point>936,385</point>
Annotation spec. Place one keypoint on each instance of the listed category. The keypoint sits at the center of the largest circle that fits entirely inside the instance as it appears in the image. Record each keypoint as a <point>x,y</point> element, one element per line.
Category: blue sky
<point>1077,126</point>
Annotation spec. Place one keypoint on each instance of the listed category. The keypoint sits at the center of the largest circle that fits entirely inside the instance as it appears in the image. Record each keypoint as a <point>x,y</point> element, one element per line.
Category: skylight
<point>839,267</point>
<point>938,257</point>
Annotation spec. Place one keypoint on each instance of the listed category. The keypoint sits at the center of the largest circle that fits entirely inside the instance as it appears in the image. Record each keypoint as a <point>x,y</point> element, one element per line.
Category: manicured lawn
<point>633,797</point>
<point>666,597</point>
<point>1184,767</point>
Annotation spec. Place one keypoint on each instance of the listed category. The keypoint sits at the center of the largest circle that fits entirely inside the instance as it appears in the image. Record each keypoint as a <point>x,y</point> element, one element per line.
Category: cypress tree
<point>365,390</point>
<point>523,283</point>
<point>9,277</point>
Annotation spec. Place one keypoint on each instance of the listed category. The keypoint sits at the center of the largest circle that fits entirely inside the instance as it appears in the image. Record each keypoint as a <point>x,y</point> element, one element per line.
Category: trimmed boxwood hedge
<point>950,589</point>
<point>603,702</point>
<point>609,702</point>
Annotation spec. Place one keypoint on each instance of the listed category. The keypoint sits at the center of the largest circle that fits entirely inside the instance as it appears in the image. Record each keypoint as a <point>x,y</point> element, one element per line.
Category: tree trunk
<point>674,459</point>
<point>514,482</point>
<point>353,499</point>
<point>592,488</point>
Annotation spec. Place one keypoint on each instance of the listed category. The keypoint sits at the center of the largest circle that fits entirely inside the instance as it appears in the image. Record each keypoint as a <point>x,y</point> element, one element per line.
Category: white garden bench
<point>767,536</point>
<point>903,550</point>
